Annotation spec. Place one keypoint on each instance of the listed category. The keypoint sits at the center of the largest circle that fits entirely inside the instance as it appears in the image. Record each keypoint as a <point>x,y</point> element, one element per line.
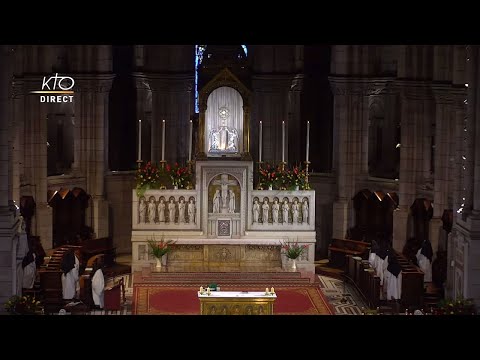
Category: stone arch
<point>68,215</point>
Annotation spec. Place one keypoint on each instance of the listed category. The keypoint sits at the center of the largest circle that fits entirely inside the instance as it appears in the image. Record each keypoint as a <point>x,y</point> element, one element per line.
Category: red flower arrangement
<point>180,176</point>
<point>286,179</point>
<point>293,250</point>
<point>295,177</point>
<point>269,175</point>
<point>147,176</point>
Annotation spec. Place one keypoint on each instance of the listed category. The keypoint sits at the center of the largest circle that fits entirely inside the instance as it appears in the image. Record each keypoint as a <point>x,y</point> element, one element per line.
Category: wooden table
<point>236,303</point>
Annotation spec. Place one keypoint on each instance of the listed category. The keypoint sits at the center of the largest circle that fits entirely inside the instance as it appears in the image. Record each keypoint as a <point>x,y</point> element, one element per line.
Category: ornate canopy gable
<point>225,79</point>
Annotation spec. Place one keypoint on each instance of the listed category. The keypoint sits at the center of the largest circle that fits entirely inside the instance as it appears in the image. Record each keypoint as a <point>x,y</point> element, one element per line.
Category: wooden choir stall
<point>364,277</point>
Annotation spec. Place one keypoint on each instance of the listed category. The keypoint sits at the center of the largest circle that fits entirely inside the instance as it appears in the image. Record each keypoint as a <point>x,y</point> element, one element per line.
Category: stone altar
<point>224,236</point>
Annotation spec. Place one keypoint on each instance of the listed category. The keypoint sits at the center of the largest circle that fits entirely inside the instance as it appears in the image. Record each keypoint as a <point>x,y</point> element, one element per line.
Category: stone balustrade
<point>283,210</point>
<point>165,209</point>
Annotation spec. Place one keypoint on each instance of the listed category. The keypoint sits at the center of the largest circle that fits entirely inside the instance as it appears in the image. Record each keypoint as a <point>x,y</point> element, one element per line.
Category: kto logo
<point>57,88</point>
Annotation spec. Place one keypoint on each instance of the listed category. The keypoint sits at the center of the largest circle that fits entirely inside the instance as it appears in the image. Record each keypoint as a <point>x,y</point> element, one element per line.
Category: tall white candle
<point>190,141</point>
<point>260,143</point>
<point>163,140</point>
<point>283,141</point>
<point>308,140</point>
<point>139,139</point>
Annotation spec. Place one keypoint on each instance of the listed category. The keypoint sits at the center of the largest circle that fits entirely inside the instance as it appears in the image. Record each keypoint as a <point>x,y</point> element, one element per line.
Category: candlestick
<point>307,184</point>
<point>266,291</point>
<point>272,290</point>
<point>201,290</point>
<point>260,143</point>
<point>283,141</point>
<point>308,140</point>
<point>163,140</point>
<point>139,140</point>
<point>190,141</point>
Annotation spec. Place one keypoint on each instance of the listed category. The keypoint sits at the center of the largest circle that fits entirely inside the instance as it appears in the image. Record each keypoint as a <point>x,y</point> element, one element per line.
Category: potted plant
<point>159,248</point>
<point>293,250</point>
<point>213,286</point>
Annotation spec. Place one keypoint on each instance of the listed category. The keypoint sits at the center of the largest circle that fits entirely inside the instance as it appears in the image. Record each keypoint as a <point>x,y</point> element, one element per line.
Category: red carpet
<point>154,299</point>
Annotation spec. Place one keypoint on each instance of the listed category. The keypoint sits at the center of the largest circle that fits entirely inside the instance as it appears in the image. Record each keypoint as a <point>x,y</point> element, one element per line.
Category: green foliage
<point>23,305</point>
<point>459,306</point>
<point>293,250</point>
<point>160,248</point>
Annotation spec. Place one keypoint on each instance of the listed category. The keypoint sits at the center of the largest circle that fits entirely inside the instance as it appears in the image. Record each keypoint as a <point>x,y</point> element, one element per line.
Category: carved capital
<point>360,86</point>
<point>414,90</point>
<point>297,83</point>
<point>141,82</point>
<point>101,83</point>
<point>181,82</point>
<point>17,88</point>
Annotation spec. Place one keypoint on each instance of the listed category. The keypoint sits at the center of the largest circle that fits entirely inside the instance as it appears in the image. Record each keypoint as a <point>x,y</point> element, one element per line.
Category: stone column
<point>91,109</point>
<point>475,60</point>
<point>463,277</point>
<point>295,142</point>
<point>7,250</point>
<point>416,97</point>
<point>349,115</point>
<point>18,143</point>
<point>407,178</point>
<point>269,99</point>
<point>35,160</point>
<point>171,96</point>
<point>143,89</point>
<point>444,102</point>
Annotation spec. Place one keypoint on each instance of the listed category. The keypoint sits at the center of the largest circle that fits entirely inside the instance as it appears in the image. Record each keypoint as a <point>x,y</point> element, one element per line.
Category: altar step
<point>205,278</point>
<point>256,275</point>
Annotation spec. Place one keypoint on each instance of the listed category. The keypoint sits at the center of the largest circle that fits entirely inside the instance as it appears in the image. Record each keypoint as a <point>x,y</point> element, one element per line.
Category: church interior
<point>239,179</point>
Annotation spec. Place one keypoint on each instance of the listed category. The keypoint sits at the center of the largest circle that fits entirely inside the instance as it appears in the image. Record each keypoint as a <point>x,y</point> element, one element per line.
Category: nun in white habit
<point>98,285</point>
<point>372,258</point>
<point>22,251</point>
<point>424,259</point>
<point>70,267</point>
<point>393,279</point>
<point>29,270</point>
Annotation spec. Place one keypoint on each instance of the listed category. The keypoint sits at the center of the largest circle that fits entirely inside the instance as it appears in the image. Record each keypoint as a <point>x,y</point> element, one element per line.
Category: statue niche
<point>224,195</point>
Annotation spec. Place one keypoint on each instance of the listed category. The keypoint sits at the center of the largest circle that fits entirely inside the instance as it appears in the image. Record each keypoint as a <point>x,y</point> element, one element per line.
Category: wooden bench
<point>339,248</point>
